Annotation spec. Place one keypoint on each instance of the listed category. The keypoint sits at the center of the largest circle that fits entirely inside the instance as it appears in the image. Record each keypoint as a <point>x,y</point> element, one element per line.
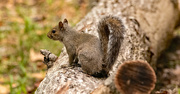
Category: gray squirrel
<point>96,56</point>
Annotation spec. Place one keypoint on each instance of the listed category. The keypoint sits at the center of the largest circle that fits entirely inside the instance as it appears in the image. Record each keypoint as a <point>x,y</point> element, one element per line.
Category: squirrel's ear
<point>60,24</point>
<point>65,21</point>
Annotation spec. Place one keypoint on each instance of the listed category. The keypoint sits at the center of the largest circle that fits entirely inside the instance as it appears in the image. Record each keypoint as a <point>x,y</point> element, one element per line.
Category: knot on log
<point>49,58</point>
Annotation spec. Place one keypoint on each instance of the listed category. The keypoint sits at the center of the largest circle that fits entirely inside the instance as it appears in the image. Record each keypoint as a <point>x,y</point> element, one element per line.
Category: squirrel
<point>95,55</point>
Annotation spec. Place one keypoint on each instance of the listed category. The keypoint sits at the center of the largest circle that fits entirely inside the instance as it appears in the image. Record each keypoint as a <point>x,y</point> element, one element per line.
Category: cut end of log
<point>135,77</point>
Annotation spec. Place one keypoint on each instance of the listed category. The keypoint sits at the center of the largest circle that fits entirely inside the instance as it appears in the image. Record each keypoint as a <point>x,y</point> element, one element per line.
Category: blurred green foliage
<point>23,27</point>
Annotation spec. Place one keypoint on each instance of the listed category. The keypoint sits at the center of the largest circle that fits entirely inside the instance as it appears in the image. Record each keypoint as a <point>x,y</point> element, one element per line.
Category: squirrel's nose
<point>49,36</point>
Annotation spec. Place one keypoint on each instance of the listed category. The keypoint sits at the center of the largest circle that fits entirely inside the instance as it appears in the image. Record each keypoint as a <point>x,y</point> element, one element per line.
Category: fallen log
<point>149,28</point>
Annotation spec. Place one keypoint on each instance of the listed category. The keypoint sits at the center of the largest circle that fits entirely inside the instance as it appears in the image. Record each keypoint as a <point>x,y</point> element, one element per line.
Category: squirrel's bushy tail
<point>111,35</point>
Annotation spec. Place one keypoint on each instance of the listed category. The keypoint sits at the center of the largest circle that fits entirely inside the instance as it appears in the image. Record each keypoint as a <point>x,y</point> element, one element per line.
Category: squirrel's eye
<point>53,31</point>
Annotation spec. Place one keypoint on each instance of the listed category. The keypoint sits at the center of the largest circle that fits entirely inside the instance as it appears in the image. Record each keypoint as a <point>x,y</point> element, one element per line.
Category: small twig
<point>49,58</point>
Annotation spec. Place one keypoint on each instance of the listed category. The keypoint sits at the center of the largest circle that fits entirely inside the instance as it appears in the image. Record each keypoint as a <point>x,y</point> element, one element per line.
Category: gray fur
<point>95,56</point>
<point>110,29</point>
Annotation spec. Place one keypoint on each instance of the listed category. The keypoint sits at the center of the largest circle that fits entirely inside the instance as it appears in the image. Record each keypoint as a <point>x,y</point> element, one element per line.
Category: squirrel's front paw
<point>68,66</point>
<point>65,66</point>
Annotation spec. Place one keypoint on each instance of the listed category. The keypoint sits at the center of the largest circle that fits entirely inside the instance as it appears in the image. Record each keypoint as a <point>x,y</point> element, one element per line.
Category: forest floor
<point>23,28</point>
<point>168,67</point>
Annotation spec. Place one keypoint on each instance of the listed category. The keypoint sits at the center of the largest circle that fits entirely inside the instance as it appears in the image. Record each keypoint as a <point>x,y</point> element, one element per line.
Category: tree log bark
<point>149,28</point>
